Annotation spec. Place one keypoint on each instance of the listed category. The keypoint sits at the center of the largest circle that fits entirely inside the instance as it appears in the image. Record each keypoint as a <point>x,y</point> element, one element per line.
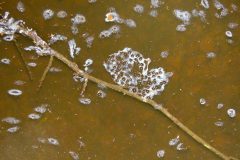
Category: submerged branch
<point>53,53</point>
<point>45,72</point>
<point>24,62</point>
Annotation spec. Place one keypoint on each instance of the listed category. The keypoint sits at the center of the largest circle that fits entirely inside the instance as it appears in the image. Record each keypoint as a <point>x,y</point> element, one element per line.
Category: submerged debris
<point>11,120</point>
<point>156,3</point>
<point>55,70</point>
<point>74,50</point>
<point>14,92</point>
<point>129,69</point>
<point>74,155</point>
<point>231,113</point>
<point>19,82</point>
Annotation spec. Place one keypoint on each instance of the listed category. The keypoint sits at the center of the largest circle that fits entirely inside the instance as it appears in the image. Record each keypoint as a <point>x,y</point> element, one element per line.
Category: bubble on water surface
<point>11,120</point>
<point>92,1</point>
<point>48,14</point>
<point>34,116</point>
<point>112,17</point>
<point>153,13</point>
<point>13,129</point>
<point>112,30</point>
<point>205,4</point>
<point>160,153</point>
<point>73,49</point>
<point>89,40</point>
<point>15,92</point>
<point>130,23</point>
<point>184,16</point>
<point>181,147</point>
<point>57,37</point>
<point>41,108</point>
<point>74,155</point>
<point>181,28</point>
<point>220,105</point>
<point>85,101</point>
<point>78,19</point>
<point>156,3</point>
<point>53,141</point>
<point>20,6</point>
<point>231,112</point>
<point>202,101</point>
<point>129,69</point>
<point>219,123</point>
<point>174,141</point>
<point>32,64</point>
<point>229,34</point>
<point>5,61</point>
<point>8,38</point>
<point>138,8</point>
<point>62,14</point>
<point>164,54</point>
<point>101,94</point>
<point>88,62</point>
<point>211,55</point>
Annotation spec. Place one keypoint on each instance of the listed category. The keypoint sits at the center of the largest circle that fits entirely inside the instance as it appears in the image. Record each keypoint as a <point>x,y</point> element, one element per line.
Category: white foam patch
<point>129,69</point>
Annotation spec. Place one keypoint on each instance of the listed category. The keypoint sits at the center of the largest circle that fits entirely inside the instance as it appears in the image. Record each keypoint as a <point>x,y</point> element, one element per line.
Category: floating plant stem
<point>53,53</point>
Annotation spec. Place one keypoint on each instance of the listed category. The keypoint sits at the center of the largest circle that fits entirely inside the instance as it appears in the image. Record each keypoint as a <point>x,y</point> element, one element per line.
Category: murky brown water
<point>119,127</point>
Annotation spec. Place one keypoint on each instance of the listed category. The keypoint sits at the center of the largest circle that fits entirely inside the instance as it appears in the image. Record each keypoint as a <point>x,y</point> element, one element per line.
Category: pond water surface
<point>204,61</point>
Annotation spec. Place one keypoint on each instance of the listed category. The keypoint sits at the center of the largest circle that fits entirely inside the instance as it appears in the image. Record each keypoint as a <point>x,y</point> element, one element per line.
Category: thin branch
<point>45,72</point>
<point>84,86</point>
<point>24,62</point>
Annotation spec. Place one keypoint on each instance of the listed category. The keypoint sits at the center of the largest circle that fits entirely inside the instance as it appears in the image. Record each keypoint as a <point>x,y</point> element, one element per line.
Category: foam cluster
<point>129,69</point>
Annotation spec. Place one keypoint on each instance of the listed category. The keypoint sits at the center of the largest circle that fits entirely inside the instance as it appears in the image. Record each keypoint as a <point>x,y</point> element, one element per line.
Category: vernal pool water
<point>196,40</point>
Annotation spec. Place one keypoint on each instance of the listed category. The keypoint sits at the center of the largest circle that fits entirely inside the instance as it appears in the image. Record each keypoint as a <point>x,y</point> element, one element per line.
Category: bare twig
<point>45,72</point>
<point>24,62</point>
<point>84,86</point>
<point>53,53</point>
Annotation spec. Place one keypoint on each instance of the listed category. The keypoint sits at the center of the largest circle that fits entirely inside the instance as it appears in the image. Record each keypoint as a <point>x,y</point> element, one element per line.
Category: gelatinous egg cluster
<point>129,69</point>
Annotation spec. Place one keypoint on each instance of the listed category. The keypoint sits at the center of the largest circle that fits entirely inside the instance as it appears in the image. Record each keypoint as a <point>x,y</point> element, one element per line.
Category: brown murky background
<point>118,127</point>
